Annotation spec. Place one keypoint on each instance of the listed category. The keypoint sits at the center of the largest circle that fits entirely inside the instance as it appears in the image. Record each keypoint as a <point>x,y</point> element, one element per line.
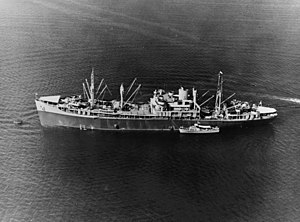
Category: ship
<point>164,111</point>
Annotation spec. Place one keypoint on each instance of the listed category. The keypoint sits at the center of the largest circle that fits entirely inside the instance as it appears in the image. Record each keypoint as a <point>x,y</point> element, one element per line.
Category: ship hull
<point>49,119</point>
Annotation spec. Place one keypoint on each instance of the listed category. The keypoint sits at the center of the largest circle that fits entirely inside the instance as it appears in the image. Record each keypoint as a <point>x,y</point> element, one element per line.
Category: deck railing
<point>133,115</point>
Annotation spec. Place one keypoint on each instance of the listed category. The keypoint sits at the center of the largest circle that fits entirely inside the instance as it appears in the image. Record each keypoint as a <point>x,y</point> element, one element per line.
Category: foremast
<point>219,94</point>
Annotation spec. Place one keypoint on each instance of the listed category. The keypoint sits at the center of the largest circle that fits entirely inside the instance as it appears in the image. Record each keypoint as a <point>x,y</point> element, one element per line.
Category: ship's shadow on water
<point>162,175</point>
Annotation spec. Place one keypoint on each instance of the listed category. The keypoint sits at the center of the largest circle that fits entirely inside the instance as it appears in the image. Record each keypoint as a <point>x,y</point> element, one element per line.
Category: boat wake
<point>292,100</point>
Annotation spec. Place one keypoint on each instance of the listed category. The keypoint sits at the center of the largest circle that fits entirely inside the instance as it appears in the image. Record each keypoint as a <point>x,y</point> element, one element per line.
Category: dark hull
<point>111,123</point>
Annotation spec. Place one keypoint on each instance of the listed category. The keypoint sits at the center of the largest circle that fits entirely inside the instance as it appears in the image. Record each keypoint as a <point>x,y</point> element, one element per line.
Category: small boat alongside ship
<point>164,111</point>
<point>199,129</point>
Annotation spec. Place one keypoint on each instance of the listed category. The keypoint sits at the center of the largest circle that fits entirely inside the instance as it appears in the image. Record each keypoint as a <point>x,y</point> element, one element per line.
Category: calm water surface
<point>49,47</point>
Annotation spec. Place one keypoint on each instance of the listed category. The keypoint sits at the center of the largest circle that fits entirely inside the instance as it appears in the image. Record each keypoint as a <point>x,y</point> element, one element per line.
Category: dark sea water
<point>249,174</point>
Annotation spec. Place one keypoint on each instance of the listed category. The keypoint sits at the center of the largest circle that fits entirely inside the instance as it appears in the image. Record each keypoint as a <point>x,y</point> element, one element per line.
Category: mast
<point>194,99</point>
<point>92,88</point>
<point>219,93</point>
<point>121,94</point>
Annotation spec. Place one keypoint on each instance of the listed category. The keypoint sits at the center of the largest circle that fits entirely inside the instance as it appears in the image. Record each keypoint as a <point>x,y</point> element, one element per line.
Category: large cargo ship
<point>164,111</point>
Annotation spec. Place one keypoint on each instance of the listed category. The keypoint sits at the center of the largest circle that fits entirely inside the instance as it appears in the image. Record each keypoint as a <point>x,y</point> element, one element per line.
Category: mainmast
<point>92,88</point>
<point>219,94</point>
